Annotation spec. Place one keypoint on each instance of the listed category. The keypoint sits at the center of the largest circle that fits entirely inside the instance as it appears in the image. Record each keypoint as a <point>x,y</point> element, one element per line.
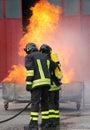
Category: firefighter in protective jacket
<point>38,83</point>
<point>56,76</point>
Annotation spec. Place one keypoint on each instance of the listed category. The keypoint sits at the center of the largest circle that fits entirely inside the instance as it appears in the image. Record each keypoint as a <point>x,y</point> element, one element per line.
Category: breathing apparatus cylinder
<point>58,72</point>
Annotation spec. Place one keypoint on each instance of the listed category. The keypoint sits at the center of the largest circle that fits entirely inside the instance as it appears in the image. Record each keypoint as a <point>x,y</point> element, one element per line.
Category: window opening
<point>71,7</point>
<point>86,6</point>
<point>0,8</point>
<point>55,2</point>
<point>12,8</point>
<point>26,12</point>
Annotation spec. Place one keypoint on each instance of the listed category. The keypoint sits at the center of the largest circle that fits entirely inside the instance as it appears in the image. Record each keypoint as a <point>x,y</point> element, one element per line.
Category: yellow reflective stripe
<point>30,72</point>
<point>34,113</point>
<point>56,111</point>
<point>27,49</point>
<point>34,118</point>
<point>40,69</point>
<point>45,112</point>
<point>53,83</point>
<point>51,111</point>
<point>28,83</point>
<point>45,117</point>
<point>48,63</point>
<point>57,116</point>
<point>52,116</point>
<point>53,88</point>
<point>41,82</point>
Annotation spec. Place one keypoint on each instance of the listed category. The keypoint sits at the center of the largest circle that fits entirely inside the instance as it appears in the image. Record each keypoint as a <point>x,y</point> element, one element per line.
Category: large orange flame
<point>43,24</point>
<point>17,74</point>
<point>43,28</point>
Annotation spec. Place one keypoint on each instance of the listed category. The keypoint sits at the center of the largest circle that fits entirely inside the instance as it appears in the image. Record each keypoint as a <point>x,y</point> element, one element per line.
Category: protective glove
<point>28,87</point>
<point>60,77</point>
<point>60,83</point>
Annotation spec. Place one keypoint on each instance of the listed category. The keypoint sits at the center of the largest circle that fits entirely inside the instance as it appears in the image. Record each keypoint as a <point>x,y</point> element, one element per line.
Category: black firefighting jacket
<point>38,69</point>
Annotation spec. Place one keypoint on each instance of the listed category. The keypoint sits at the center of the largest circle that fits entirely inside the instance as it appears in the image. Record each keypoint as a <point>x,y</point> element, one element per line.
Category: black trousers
<point>54,100</point>
<point>39,97</point>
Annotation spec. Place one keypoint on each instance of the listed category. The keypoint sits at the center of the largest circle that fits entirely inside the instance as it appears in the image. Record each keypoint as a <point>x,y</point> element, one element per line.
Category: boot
<point>33,125</point>
<point>54,122</point>
<point>57,122</point>
<point>44,125</point>
<point>51,122</point>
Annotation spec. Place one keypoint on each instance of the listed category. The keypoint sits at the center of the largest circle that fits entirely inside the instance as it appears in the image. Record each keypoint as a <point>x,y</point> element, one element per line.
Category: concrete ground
<point>71,118</point>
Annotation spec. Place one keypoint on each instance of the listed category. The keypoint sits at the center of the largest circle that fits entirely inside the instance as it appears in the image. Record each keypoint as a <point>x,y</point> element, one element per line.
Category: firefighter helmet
<point>45,49</point>
<point>30,47</point>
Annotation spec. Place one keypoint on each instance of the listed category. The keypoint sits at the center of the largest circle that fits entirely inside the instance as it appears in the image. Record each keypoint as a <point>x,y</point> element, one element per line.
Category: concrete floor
<point>71,118</point>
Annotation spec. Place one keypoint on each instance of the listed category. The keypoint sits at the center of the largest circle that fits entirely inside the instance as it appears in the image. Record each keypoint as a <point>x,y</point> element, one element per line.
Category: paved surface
<point>71,119</point>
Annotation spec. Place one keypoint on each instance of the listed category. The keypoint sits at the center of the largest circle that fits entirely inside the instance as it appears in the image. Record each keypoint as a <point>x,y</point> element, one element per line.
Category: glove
<point>60,77</point>
<point>28,87</point>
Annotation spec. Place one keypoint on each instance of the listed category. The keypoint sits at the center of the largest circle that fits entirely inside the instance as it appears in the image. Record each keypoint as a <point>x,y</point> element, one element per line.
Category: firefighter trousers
<point>39,98</point>
<point>54,113</point>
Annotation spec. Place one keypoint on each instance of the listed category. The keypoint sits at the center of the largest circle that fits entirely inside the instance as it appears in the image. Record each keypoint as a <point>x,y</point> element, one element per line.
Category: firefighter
<point>56,76</point>
<point>38,83</point>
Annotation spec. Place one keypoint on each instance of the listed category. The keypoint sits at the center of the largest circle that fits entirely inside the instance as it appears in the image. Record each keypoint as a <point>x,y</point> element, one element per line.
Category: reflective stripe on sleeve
<point>30,73</point>
<point>28,83</point>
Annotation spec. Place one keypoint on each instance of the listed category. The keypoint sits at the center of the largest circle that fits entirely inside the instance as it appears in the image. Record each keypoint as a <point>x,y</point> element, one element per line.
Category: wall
<point>10,34</point>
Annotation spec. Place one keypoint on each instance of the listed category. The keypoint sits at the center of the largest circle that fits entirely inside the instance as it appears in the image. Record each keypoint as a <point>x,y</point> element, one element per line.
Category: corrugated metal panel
<point>85,26</point>
<point>10,34</point>
<point>78,27</point>
<point>2,50</point>
<point>71,21</point>
<point>13,35</point>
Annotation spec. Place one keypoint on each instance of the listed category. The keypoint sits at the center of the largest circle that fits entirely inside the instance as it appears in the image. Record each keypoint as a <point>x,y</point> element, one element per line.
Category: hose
<point>16,114</point>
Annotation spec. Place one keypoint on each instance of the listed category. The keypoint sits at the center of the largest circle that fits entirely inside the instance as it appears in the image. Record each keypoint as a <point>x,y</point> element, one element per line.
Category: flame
<point>43,24</point>
<point>68,76</point>
<point>68,71</point>
<point>43,28</point>
<point>17,74</point>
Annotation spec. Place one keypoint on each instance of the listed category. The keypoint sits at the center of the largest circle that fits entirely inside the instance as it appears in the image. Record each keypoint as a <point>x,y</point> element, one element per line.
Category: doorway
<point>26,12</point>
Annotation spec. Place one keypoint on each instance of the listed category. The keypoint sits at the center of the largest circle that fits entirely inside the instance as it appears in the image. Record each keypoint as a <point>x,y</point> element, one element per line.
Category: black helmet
<point>30,47</point>
<point>45,49</point>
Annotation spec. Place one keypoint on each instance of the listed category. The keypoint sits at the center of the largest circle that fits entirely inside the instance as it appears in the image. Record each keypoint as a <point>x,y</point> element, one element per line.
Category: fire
<point>68,76</point>
<point>43,28</point>
<point>43,24</point>
<point>68,71</point>
<point>17,74</point>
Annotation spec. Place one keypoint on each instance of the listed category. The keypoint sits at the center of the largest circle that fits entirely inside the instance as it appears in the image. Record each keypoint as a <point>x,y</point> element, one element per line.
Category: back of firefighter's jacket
<point>38,69</point>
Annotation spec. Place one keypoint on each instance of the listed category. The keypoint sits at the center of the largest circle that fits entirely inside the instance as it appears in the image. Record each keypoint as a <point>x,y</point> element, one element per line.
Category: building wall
<point>76,15</point>
<point>10,34</point>
<point>75,30</point>
<point>76,20</point>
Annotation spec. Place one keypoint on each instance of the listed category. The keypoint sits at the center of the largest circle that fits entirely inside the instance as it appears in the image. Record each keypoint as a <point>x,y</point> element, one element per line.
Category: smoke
<point>64,35</point>
<point>73,49</point>
<point>67,39</point>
